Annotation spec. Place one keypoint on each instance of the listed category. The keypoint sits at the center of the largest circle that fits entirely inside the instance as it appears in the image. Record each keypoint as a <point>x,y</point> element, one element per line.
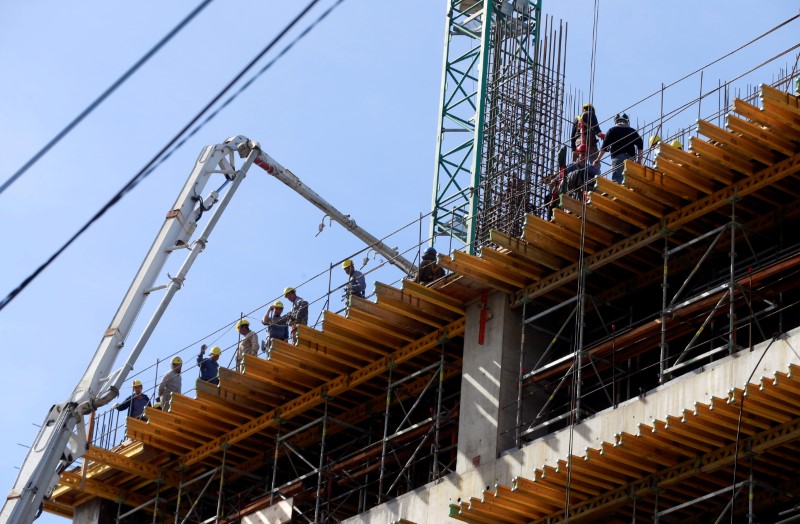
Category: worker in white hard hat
<point>356,283</point>
<point>209,368</point>
<point>277,326</point>
<point>623,143</point>
<point>170,384</point>
<point>135,403</point>
<point>248,343</point>
<point>298,316</point>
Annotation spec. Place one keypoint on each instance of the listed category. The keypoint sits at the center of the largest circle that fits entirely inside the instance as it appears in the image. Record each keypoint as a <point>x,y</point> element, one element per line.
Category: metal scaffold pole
<point>318,503</point>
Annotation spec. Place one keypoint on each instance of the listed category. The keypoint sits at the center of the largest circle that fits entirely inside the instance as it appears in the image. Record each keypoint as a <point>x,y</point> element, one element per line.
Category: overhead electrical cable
<point>148,168</point>
<point>121,80</point>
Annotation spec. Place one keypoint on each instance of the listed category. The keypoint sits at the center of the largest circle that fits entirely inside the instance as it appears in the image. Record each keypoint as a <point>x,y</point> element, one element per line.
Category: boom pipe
<point>268,164</point>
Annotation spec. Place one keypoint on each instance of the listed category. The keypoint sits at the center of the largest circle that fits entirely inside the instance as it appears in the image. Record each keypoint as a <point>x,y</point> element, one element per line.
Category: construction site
<point>615,353</point>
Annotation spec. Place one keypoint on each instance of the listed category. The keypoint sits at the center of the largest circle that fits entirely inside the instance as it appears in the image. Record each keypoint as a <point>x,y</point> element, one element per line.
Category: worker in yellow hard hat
<point>676,144</point>
<point>356,283</point>
<point>655,140</point>
<point>209,368</point>
<point>298,316</point>
<point>277,326</point>
<point>135,403</point>
<point>170,384</point>
<point>248,343</point>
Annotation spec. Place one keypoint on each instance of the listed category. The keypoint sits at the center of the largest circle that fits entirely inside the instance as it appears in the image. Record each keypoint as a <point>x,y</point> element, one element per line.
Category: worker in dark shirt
<point>135,403</point>
<point>623,143</point>
<point>429,270</point>
<point>209,368</point>
<point>584,137</point>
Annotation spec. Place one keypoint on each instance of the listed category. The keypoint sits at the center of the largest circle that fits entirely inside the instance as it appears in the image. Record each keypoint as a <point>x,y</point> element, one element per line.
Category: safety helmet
<point>242,322</point>
<point>287,291</point>
<point>137,383</point>
<point>430,251</point>
<point>216,350</point>
<point>587,107</point>
<point>177,360</point>
<point>347,263</point>
<point>278,304</point>
<point>677,144</point>
<point>655,139</point>
<point>621,118</point>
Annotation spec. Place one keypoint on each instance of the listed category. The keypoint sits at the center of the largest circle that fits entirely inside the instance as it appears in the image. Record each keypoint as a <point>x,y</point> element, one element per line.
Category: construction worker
<point>677,144</point>
<point>209,368</point>
<point>135,403</point>
<point>170,384</point>
<point>584,136</point>
<point>655,142</point>
<point>429,270</point>
<point>356,283</point>
<point>248,344</point>
<point>622,142</point>
<point>298,316</point>
<point>277,326</point>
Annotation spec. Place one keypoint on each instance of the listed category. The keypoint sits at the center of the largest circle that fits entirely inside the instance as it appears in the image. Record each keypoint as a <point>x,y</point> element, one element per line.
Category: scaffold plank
<point>410,325</point>
<point>621,210</point>
<point>370,338</point>
<point>480,274</point>
<point>757,116</point>
<point>596,216</point>
<point>629,197</point>
<point>520,266</point>
<point>487,268</point>
<point>527,252</point>
<point>764,136</point>
<point>102,490</point>
<point>334,387</point>
<point>725,157</point>
<point>663,186</point>
<point>575,224</point>
<point>737,146</point>
<point>433,296</point>
<point>537,236</point>
<point>695,170</point>
<point>559,233</point>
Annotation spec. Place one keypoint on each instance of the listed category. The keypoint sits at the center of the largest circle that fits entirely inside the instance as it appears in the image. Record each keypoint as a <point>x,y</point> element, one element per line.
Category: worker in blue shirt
<point>356,284</point>
<point>135,403</point>
<point>209,369</point>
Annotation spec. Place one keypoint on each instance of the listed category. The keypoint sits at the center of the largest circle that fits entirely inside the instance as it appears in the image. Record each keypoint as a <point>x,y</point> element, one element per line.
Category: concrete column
<point>96,511</point>
<point>489,383</point>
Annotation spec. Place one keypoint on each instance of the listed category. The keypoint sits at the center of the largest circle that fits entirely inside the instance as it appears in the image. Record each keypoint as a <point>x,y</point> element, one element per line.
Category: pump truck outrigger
<point>62,438</point>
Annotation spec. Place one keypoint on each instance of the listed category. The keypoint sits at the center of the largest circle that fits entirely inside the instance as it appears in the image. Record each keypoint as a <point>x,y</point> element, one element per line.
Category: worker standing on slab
<point>622,142</point>
<point>277,326</point>
<point>584,137</point>
<point>298,316</point>
<point>170,384</point>
<point>135,403</point>
<point>429,270</point>
<point>248,344</point>
<point>209,368</point>
<point>356,283</point>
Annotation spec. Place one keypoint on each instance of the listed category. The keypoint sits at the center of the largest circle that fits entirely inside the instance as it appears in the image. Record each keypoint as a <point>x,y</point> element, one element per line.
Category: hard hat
<point>243,322</point>
<point>621,118</point>
<point>137,383</point>
<point>216,350</point>
<point>655,139</point>
<point>278,304</point>
<point>347,263</point>
<point>177,360</point>
<point>677,144</point>
<point>287,291</point>
<point>430,251</point>
<point>587,106</point>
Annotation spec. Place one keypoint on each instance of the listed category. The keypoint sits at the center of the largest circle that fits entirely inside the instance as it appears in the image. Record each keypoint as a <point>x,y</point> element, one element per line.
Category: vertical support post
<point>178,500</point>
<point>662,363</point>
<point>518,422</point>
<point>318,503</point>
<point>385,433</point>
<point>155,504</point>
<point>732,280</point>
<point>275,464</point>
<point>438,422</point>
<point>221,482</point>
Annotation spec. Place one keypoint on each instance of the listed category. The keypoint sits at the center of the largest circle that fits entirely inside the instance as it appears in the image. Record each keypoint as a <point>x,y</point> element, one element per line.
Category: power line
<point>121,80</point>
<point>149,167</point>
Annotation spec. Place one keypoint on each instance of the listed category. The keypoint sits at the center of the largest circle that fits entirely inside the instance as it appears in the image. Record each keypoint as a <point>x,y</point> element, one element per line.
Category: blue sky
<point>352,110</point>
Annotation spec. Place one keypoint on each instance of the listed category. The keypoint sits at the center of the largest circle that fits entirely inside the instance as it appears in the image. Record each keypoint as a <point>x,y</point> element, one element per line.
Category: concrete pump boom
<point>62,438</point>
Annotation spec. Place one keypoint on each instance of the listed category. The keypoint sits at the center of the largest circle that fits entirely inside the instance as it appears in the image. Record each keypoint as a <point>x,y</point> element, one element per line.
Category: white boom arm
<point>265,162</point>
<point>62,437</point>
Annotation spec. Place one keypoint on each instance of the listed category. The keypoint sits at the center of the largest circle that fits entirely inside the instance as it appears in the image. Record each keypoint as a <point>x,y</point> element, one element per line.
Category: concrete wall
<point>430,503</point>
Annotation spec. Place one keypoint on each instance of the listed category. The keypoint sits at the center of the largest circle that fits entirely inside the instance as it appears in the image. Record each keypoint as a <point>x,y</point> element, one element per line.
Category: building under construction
<point>623,353</point>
